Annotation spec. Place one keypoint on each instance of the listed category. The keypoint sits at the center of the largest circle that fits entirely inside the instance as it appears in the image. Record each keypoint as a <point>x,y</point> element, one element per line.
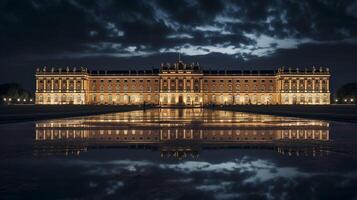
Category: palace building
<point>181,84</point>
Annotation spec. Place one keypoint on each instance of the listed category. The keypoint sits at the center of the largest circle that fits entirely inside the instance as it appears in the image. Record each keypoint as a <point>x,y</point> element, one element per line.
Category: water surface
<point>178,154</point>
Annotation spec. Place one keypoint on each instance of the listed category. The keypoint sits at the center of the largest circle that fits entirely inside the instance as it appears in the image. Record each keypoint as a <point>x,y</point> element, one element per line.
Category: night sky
<point>219,34</point>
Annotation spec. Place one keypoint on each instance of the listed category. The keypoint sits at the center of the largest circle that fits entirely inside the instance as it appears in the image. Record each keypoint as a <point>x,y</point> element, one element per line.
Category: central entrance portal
<point>180,100</point>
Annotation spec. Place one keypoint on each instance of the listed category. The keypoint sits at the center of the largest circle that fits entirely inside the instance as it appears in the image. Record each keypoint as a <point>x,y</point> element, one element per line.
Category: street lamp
<point>352,100</point>
<point>336,100</point>
<point>18,100</point>
<point>5,99</point>
<point>30,100</point>
<point>345,100</point>
<point>24,100</point>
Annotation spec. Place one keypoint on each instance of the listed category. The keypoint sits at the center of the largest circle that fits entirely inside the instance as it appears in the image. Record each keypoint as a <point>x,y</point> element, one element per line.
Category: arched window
<point>294,99</point>
<point>71,99</point>
<point>263,99</point>
<point>310,99</point>
<point>309,85</point>
<point>101,98</point>
<point>302,99</point>
<point>317,100</point>
<point>64,98</point>
<point>270,99</point>
<point>79,99</point>
<point>71,85</point>
<point>254,99</point>
<point>229,99</point>
<point>110,98</point>
<point>126,99</point>
<point>64,84</point>
<point>118,100</point>
<point>246,99</point>
<point>165,100</point>
<point>237,99</point>
<point>173,100</point>
<point>40,98</point>
<point>79,85</point>
<point>286,99</point>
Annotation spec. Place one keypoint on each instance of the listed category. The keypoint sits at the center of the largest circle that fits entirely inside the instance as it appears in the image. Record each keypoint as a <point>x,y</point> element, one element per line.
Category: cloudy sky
<point>220,34</point>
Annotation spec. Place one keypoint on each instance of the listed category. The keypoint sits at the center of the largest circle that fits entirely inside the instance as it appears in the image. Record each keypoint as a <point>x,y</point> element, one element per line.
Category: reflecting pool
<point>179,154</point>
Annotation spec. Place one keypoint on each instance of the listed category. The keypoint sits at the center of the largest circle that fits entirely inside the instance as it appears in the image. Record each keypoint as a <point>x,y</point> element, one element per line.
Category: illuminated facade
<point>181,84</point>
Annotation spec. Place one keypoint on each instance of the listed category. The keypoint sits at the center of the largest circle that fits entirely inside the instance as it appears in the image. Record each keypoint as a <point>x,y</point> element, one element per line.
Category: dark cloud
<point>230,32</point>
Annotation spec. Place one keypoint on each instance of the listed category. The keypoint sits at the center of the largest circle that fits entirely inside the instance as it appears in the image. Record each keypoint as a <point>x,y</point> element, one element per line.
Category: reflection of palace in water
<point>177,130</point>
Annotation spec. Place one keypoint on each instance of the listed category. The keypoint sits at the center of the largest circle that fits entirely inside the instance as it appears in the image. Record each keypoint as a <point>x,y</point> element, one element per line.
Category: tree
<point>13,91</point>
<point>347,93</point>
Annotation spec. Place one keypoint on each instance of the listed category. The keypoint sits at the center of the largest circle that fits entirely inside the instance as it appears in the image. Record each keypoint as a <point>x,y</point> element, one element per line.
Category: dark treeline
<point>347,93</point>
<point>14,91</point>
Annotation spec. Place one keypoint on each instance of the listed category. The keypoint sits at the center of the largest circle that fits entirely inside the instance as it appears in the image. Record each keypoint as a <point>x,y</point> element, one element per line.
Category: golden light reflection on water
<point>181,129</point>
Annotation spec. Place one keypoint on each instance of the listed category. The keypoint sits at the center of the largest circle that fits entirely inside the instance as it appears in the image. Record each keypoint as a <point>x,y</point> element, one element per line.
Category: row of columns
<point>48,134</point>
<point>60,82</point>
<point>192,82</point>
<point>315,134</point>
<point>298,89</point>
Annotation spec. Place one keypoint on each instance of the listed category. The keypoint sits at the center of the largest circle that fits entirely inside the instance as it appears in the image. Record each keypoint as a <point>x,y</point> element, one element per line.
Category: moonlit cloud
<point>352,9</point>
<point>209,28</point>
<point>243,177</point>
<point>105,46</point>
<point>222,32</point>
<point>130,48</point>
<point>259,170</point>
<point>188,49</point>
<point>180,36</point>
<point>264,170</point>
<point>265,45</point>
<point>165,27</point>
<point>114,31</point>
<point>226,19</point>
<point>213,187</point>
<point>93,33</point>
<point>113,187</point>
<point>162,16</point>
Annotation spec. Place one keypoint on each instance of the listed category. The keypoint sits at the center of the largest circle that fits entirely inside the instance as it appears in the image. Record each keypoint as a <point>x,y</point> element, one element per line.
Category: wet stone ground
<point>178,154</point>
